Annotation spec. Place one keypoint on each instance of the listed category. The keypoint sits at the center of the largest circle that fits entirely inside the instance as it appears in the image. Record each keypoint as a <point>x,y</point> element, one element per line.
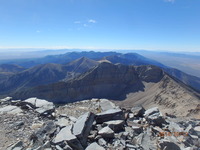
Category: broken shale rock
<point>109,130</point>
<point>82,127</point>
<point>111,114</point>
<point>138,111</point>
<point>65,134</point>
<point>154,117</point>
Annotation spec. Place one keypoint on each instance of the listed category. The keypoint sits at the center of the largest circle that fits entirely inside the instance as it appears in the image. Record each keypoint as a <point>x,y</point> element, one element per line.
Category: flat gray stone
<point>41,105</point>
<point>11,110</point>
<point>111,114</point>
<point>65,134</point>
<point>138,111</point>
<point>106,132</point>
<point>94,146</point>
<point>82,127</point>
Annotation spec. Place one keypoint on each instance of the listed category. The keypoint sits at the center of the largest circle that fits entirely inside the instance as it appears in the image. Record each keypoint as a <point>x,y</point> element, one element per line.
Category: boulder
<point>167,145</point>
<point>65,134</point>
<point>111,114</point>
<point>94,146</point>
<point>106,132</point>
<point>11,110</point>
<point>82,127</point>
<point>138,111</point>
<point>154,117</point>
<point>41,106</point>
<point>115,125</point>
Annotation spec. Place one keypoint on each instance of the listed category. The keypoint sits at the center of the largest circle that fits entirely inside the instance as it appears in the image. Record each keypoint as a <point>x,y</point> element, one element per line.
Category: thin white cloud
<point>85,25</point>
<point>38,31</point>
<point>77,22</point>
<point>92,21</point>
<point>170,1</point>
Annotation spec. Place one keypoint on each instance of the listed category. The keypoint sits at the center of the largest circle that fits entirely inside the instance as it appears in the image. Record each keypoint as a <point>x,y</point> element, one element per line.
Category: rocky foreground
<point>97,124</point>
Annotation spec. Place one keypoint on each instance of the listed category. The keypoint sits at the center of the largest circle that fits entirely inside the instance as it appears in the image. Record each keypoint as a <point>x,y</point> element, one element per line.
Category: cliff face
<point>104,81</point>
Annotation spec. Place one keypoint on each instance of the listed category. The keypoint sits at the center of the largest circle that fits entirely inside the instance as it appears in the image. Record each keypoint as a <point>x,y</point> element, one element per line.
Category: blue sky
<point>172,25</point>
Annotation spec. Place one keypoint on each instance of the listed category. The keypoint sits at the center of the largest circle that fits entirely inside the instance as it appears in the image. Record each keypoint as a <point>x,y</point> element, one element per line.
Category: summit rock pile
<point>96,124</point>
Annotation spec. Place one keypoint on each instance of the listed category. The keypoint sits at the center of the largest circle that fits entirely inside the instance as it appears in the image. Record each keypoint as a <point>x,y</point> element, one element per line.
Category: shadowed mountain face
<point>135,59</point>
<point>45,74</point>
<point>104,81</point>
<point>113,57</point>
<point>127,85</point>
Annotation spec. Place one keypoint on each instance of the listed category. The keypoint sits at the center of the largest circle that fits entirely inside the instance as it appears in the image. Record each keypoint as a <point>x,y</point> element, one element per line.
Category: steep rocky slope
<point>190,80</point>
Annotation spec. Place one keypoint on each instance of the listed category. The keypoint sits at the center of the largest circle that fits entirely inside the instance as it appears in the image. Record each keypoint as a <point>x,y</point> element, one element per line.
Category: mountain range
<point>128,79</point>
